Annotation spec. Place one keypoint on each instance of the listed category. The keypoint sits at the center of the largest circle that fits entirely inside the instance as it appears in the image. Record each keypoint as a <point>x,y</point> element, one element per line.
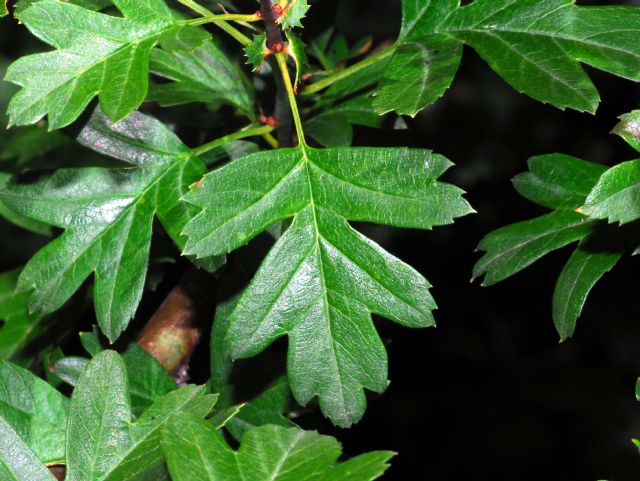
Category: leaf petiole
<point>284,70</point>
<point>241,134</point>
<point>219,21</point>
<point>349,71</point>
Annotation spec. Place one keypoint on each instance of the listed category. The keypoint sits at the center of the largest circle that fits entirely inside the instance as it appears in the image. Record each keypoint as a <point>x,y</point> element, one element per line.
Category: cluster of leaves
<point>585,198</point>
<point>97,435</point>
<point>322,280</point>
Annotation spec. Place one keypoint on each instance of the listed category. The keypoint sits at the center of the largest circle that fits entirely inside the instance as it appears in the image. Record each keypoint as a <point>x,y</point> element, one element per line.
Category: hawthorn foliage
<point>105,64</point>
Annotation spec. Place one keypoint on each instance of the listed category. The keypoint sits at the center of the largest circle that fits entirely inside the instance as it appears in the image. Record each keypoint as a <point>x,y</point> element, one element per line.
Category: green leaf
<point>19,325</point>
<point>17,462</point>
<point>257,51</point>
<point>22,5</point>
<point>322,279</point>
<point>295,11</point>
<point>3,8</point>
<point>418,74</point>
<point>269,452</point>
<point>616,196</point>
<point>629,129</point>
<point>30,142</point>
<point>558,181</point>
<point>99,419</point>
<point>35,411</point>
<point>103,443</point>
<point>514,247</point>
<point>333,126</point>
<point>297,51</point>
<point>95,54</point>
<point>584,268</point>
<point>535,45</point>
<point>20,220</point>
<point>148,380</point>
<point>268,407</point>
<point>107,215</point>
<point>144,459</point>
<point>185,38</point>
<point>205,75</point>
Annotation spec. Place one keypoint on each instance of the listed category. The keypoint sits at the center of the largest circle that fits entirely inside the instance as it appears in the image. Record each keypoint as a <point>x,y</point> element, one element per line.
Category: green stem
<point>241,134</point>
<point>230,17</point>
<point>349,71</point>
<point>284,70</point>
<point>217,21</point>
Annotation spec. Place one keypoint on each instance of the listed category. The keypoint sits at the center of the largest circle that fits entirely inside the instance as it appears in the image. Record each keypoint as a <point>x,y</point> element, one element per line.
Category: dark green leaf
<point>257,51</point>
<point>514,247</point>
<point>535,45</point>
<point>266,453</point>
<point>322,279</point>
<point>205,75</point>
<point>580,274</point>
<point>418,74</point>
<point>558,181</point>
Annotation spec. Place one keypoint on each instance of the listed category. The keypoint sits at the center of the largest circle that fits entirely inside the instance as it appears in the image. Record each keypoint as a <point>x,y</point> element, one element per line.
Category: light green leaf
<point>583,270</point>
<point>517,246</point>
<point>99,419</point>
<point>35,411</point>
<point>19,325</point>
<point>103,443</point>
<point>322,279</point>
<point>616,196</point>
<point>535,45</point>
<point>558,181</point>
<point>148,380</point>
<point>107,215</point>
<point>204,75</point>
<point>17,462</point>
<point>266,453</point>
<point>96,54</point>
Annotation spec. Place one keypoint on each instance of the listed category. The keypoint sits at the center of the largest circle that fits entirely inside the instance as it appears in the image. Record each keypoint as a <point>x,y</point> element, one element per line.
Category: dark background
<point>490,393</point>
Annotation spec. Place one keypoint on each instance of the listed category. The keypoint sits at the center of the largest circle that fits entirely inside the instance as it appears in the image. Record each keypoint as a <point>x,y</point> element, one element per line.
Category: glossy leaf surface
<point>107,215</point>
<point>268,452</point>
<point>36,411</point>
<point>537,46</point>
<point>95,53</point>
<point>322,279</point>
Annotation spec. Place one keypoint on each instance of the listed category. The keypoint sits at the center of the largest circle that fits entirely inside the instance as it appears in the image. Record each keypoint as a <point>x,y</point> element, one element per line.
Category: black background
<point>490,393</point>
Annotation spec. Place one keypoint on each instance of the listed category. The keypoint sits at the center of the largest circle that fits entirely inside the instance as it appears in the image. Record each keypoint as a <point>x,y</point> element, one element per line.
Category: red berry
<point>277,47</point>
<point>263,119</point>
<point>272,121</point>
<point>277,9</point>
